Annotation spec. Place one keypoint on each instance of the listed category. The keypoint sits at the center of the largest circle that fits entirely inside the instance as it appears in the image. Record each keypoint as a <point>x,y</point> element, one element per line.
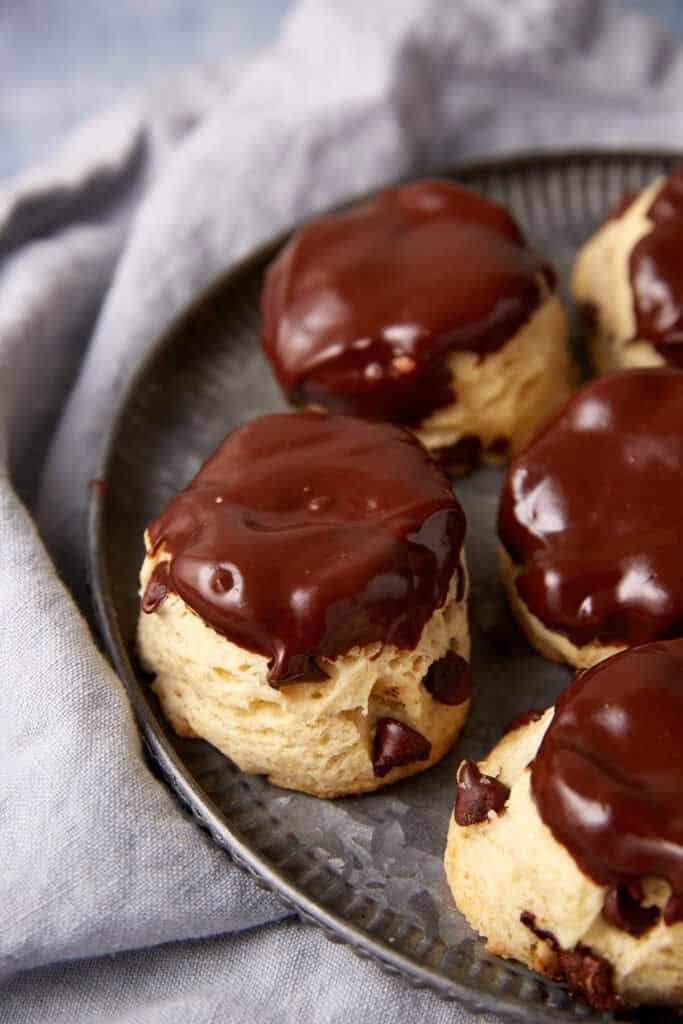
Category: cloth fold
<point>99,251</point>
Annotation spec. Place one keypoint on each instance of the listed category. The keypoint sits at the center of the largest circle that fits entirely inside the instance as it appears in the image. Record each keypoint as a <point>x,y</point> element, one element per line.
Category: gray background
<point>61,60</point>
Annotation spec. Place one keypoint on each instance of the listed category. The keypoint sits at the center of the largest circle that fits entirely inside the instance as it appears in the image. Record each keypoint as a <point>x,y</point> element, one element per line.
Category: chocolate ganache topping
<point>656,272</point>
<point>305,535</point>
<point>608,776</point>
<point>361,307</point>
<point>591,511</point>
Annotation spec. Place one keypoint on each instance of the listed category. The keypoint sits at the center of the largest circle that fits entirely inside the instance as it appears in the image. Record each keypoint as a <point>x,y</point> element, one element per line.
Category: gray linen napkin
<point>99,250</point>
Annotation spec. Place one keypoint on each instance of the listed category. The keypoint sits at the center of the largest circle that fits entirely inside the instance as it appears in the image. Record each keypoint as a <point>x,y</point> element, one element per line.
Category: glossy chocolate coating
<point>623,908</point>
<point>656,271</point>
<point>305,535</point>
<point>608,776</point>
<point>360,308</point>
<point>591,511</point>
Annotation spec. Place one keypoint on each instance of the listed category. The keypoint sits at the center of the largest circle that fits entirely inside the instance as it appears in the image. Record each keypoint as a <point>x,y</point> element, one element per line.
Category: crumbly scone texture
<point>314,737</point>
<point>601,280</point>
<point>511,863</point>
<point>548,642</point>
<point>501,398</point>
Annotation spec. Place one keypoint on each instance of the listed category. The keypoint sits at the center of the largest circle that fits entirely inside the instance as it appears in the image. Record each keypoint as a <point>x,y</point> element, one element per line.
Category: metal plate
<point>367,869</point>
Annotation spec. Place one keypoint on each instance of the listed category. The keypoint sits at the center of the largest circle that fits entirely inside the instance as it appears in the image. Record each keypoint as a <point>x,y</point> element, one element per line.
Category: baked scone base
<point>511,865</point>
<point>551,644</point>
<point>600,280</point>
<point>314,737</point>
<point>502,397</point>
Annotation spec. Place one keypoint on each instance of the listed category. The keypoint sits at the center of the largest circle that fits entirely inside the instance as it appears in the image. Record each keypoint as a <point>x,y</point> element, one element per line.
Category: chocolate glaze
<point>623,909</point>
<point>449,680</point>
<point>360,308</point>
<point>305,535</point>
<point>608,776</point>
<point>591,512</point>
<point>395,745</point>
<point>477,795</point>
<point>656,272</point>
<point>588,975</point>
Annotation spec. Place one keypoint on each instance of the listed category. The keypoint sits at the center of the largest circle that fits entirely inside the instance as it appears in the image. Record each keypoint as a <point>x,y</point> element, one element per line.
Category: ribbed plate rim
<point>192,796</point>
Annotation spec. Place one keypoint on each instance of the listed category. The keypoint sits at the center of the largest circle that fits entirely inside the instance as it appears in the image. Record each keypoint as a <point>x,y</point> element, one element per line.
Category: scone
<point>422,305</point>
<point>628,277</point>
<point>590,520</point>
<point>565,849</point>
<point>304,604</point>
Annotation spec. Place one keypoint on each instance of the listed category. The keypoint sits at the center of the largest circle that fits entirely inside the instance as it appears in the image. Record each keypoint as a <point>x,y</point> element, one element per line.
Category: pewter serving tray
<point>367,869</point>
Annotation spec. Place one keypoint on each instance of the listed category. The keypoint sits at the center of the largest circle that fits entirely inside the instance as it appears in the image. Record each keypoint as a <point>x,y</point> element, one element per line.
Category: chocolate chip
<point>529,921</point>
<point>622,908</point>
<point>588,976</point>
<point>449,680</point>
<point>477,795</point>
<point>524,718</point>
<point>397,744</point>
<point>157,588</point>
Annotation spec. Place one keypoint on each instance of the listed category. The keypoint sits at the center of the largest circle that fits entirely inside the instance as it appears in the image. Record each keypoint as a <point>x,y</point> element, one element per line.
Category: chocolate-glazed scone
<point>565,847</point>
<point>628,277</point>
<point>304,604</point>
<point>590,520</point>
<point>422,305</point>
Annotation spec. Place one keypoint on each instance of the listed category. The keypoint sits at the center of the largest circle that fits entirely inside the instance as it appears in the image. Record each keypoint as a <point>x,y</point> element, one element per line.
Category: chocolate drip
<point>305,535</point>
<point>608,776</point>
<point>591,512</point>
<point>157,588</point>
<point>587,975</point>
<point>361,308</point>
<point>477,795</point>
<point>529,921</point>
<point>396,744</point>
<point>623,909</point>
<point>656,272</point>
<point>449,680</point>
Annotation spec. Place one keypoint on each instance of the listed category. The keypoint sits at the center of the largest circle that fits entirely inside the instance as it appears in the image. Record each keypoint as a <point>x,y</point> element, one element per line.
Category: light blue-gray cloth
<point>104,878</point>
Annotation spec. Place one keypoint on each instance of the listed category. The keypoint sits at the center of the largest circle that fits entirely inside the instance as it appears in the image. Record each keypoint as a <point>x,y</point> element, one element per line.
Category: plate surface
<point>367,869</point>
